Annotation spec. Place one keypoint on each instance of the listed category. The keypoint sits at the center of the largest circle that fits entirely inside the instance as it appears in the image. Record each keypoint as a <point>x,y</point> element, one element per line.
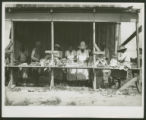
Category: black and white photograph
<point>73,59</point>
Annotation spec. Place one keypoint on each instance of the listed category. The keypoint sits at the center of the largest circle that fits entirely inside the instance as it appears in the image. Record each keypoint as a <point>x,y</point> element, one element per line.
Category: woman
<point>35,57</point>
<point>36,52</point>
<point>23,55</point>
<point>71,55</point>
<point>82,58</point>
<point>58,73</point>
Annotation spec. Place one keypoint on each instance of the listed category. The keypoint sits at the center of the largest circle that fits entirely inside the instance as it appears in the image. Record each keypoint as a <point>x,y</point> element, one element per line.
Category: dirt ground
<point>71,96</point>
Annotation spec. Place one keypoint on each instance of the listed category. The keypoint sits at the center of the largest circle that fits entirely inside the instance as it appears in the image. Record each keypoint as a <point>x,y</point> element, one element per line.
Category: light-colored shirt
<point>82,56</point>
<point>23,56</point>
<point>70,55</point>
<point>125,57</point>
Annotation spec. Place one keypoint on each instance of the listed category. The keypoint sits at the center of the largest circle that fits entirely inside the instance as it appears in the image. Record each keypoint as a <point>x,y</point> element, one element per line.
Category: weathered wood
<point>100,52</point>
<point>52,52</point>
<point>10,84</point>
<point>137,43</point>
<point>52,39</point>
<point>94,57</point>
<point>104,6</point>
<point>52,79</point>
<point>12,46</point>
<point>131,36</point>
<point>116,38</point>
<point>76,17</point>
<point>52,55</point>
<point>119,38</point>
<point>96,47</point>
<point>130,82</point>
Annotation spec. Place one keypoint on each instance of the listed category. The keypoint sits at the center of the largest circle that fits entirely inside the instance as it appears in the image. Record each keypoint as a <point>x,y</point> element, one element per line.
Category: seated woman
<point>35,58</point>
<point>23,59</point>
<point>58,73</point>
<point>82,58</point>
<point>71,56</point>
<point>36,52</point>
<point>23,55</point>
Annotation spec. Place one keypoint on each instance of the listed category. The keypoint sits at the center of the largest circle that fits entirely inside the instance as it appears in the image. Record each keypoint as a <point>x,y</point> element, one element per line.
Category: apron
<point>82,74</point>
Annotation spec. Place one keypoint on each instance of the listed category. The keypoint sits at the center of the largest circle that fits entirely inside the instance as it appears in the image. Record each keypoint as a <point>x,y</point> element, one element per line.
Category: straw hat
<point>82,45</point>
<point>122,49</point>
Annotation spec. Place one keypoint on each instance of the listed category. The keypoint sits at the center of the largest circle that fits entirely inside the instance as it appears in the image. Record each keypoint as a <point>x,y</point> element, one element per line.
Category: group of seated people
<point>82,55</point>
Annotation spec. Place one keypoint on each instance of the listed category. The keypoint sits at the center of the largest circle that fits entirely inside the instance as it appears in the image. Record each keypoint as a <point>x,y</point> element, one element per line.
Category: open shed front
<point>65,34</point>
<point>68,26</point>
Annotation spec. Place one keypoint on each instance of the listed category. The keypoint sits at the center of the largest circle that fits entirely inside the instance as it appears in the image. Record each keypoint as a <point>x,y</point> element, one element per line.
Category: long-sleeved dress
<point>71,73</point>
<point>82,74</point>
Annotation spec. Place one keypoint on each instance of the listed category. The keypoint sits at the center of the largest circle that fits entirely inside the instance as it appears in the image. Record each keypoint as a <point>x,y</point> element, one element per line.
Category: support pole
<point>116,37</point>
<point>12,40</point>
<point>11,82</point>
<point>139,81</point>
<point>137,43</point>
<point>119,37</point>
<point>94,57</point>
<point>52,55</point>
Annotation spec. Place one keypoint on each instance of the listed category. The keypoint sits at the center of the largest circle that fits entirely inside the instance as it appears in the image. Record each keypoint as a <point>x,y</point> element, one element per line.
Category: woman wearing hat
<point>82,57</point>
<point>124,56</point>
<point>119,75</point>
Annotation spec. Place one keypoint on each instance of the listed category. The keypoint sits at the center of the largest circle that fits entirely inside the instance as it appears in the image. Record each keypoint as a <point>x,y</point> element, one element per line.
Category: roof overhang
<point>84,12</point>
<point>71,7</point>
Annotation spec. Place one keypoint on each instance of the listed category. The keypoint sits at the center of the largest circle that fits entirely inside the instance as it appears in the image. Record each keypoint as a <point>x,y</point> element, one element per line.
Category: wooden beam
<point>70,17</point>
<point>119,38</point>
<point>10,84</point>
<point>131,36</point>
<point>139,81</point>
<point>51,52</point>
<point>52,55</point>
<point>12,40</point>
<point>130,82</point>
<point>99,52</point>
<point>94,57</point>
<point>137,43</point>
<point>116,37</point>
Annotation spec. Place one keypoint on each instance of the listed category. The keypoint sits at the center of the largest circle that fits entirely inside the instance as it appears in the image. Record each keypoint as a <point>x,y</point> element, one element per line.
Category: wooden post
<point>118,37</point>
<point>52,55</point>
<point>94,57</point>
<point>12,40</point>
<point>139,81</point>
<point>137,42</point>
<point>11,82</point>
